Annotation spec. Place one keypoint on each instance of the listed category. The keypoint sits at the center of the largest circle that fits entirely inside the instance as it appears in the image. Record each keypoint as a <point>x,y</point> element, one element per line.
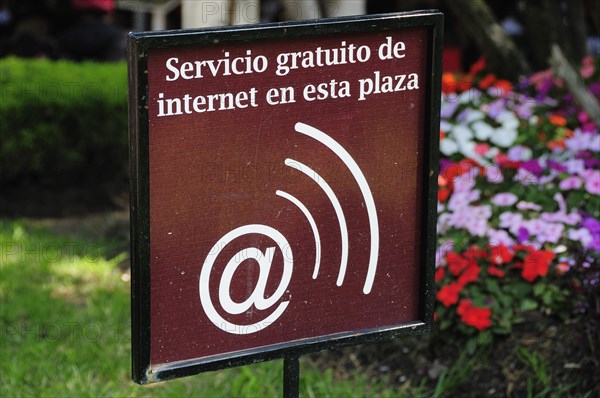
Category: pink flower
<point>572,182</point>
<point>481,148</point>
<point>523,205</point>
<point>587,67</point>
<point>551,233</point>
<point>582,235</point>
<point>504,199</point>
<point>592,181</point>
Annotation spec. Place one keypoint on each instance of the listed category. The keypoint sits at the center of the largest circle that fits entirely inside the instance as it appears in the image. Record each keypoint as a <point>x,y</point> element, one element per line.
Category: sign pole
<point>291,376</point>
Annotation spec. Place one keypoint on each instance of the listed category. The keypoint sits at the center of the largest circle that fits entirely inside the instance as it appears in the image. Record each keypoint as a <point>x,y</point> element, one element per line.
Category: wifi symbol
<point>367,196</point>
<point>264,259</point>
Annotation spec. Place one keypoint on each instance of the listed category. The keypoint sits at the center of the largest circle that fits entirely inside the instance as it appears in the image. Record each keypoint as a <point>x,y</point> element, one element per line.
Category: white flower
<point>474,115</point>
<point>467,149</point>
<point>470,96</point>
<point>504,137</point>
<point>508,120</point>
<point>483,131</point>
<point>462,133</point>
<point>595,143</point>
<point>448,147</point>
<point>492,153</point>
<point>445,125</point>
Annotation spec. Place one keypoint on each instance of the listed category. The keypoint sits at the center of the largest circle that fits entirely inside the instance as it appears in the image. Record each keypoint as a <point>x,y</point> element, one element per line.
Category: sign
<point>283,189</point>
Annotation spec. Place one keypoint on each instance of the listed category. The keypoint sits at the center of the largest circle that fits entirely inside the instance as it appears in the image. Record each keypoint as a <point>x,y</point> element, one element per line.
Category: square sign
<point>283,188</point>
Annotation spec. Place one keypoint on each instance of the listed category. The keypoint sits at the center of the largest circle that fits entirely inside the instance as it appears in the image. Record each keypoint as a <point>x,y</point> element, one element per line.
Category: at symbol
<point>257,298</point>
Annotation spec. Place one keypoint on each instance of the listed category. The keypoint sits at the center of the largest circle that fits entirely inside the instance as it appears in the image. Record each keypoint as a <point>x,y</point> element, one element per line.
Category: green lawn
<point>65,332</point>
<point>65,329</point>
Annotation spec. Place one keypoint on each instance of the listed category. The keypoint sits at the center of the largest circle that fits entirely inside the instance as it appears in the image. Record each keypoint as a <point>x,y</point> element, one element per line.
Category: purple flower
<point>544,89</point>
<point>444,164</point>
<point>504,199</point>
<point>553,164</point>
<point>594,89</point>
<point>448,109</point>
<point>499,237</point>
<point>522,235</point>
<point>495,108</point>
<point>580,141</point>
<point>532,166</point>
<point>519,153</point>
<point>592,225</point>
<point>575,166</point>
<point>591,163</point>
<point>526,177</point>
<point>572,182</point>
<point>524,111</point>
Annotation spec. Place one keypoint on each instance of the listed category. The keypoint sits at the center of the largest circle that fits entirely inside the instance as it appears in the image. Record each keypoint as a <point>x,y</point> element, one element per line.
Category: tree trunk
<point>500,51</point>
<point>564,69</point>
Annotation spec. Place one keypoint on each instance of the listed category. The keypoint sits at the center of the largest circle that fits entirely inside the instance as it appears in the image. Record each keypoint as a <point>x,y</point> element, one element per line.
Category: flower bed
<point>518,201</point>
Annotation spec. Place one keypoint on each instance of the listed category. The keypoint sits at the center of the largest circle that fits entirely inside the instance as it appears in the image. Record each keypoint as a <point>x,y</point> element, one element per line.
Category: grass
<point>65,329</point>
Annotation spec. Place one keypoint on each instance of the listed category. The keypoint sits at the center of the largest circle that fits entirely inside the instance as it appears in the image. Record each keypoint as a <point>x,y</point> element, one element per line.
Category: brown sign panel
<point>283,188</point>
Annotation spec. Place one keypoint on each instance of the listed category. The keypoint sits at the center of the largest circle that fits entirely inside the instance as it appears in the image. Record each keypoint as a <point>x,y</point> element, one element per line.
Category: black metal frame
<point>139,44</point>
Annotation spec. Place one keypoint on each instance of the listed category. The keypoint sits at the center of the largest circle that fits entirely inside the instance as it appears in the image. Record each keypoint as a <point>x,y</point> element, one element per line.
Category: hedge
<point>61,120</point>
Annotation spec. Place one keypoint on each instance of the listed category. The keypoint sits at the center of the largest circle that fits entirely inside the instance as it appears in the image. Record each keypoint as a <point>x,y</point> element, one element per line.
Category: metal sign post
<point>291,376</point>
<point>283,190</point>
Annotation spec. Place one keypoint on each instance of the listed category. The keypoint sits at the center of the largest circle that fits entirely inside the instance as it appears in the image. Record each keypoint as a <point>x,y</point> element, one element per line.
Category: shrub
<point>62,120</point>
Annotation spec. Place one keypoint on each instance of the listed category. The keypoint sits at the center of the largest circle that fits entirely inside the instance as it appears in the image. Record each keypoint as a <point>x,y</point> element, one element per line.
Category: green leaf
<point>528,305</point>
<point>539,288</point>
<point>485,338</point>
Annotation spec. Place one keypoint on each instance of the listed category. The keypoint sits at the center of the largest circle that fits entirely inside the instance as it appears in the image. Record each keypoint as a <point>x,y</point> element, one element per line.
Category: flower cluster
<point>519,196</point>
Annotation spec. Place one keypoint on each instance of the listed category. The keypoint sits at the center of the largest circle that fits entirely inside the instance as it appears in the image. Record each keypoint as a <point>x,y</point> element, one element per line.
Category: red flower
<point>557,120</point>
<point>443,194</point>
<point>469,275</point>
<point>500,255</point>
<point>465,83</point>
<point>448,294</point>
<point>478,317</point>
<point>439,273</point>
<point>504,86</point>
<point>478,66</point>
<point>456,263</point>
<point>561,268</point>
<point>448,83</point>
<point>444,189</point>
<point>487,81</point>
<point>520,247</point>
<point>536,264</point>
<point>495,271</point>
<point>474,253</point>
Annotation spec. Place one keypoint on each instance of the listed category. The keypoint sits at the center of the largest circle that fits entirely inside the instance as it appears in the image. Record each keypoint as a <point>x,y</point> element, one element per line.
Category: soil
<point>568,353</point>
